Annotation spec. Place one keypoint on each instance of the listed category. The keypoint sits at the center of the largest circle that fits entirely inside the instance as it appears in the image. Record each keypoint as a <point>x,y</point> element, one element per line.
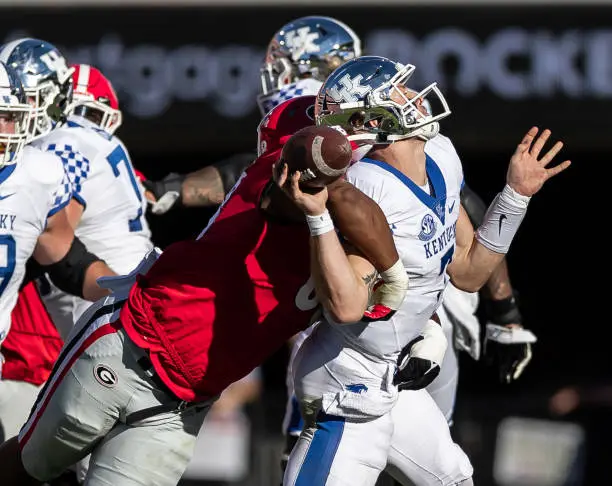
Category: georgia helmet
<point>304,50</point>
<point>45,77</point>
<point>369,98</point>
<point>15,116</point>
<point>283,121</point>
<point>93,97</point>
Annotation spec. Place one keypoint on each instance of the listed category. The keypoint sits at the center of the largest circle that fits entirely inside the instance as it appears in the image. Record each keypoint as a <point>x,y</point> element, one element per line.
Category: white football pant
<point>16,400</point>
<point>444,388</point>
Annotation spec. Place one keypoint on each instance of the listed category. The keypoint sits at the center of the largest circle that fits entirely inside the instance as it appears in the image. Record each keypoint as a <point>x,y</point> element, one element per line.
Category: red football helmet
<point>92,91</point>
<point>283,121</point>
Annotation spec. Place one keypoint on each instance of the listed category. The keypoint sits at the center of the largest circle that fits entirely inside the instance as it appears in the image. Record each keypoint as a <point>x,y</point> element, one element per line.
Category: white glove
<point>419,361</point>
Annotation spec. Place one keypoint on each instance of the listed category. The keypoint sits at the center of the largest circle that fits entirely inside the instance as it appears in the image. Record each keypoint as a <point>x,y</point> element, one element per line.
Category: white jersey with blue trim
<point>113,224</point>
<point>360,359</point>
<point>423,226</point>
<point>31,190</point>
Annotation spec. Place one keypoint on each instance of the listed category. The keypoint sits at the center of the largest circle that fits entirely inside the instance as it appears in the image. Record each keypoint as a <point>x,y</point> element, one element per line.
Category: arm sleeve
<point>231,168</point>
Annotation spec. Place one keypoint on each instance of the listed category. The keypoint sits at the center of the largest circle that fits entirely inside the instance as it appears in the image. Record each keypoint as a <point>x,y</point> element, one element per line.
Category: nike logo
<point>7,196</point>
<point>501,221</point>
<point>451,207</point>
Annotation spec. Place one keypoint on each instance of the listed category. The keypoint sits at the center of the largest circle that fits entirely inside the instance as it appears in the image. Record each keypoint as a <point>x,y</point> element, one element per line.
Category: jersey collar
<point>437,200</point>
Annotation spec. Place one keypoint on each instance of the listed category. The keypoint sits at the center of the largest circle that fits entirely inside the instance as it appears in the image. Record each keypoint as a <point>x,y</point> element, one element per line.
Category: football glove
<point>419,361</point>
<point>167,192</point>
<point>509,349</point>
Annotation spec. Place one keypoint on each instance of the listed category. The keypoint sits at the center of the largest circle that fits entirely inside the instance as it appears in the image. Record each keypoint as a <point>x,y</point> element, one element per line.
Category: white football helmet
<point>369,98</point>
<point>15,115</point>
<point>308,48</point>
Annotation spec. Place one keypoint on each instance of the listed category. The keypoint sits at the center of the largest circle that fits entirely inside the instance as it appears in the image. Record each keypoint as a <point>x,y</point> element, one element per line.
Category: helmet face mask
<point>43,98</point>
<point>45,78</point>
<point>16,117</point>
<point>94,98</point>
<point>370,99</point>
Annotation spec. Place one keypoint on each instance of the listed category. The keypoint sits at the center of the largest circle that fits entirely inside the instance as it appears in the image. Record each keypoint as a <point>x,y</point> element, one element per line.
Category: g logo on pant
<point>105,376</point>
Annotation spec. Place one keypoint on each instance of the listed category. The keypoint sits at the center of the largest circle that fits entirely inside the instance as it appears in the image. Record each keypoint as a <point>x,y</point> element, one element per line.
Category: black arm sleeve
<point>474,206</point>
<point>33,271</point>
<point>69,273</point>
<point>231,168</point>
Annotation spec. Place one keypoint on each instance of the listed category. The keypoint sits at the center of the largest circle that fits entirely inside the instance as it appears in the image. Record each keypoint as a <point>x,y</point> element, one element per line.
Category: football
<point>321,154</point>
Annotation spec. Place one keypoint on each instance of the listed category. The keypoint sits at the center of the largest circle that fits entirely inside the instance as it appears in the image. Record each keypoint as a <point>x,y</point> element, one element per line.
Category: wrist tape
<point>502,220</point>
<point>320,224</point>
<point>392,292</point>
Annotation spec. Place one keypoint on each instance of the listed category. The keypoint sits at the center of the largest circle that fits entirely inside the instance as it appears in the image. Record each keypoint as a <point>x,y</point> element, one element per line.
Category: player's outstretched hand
<point>527,173</point>
<point>312,203</point>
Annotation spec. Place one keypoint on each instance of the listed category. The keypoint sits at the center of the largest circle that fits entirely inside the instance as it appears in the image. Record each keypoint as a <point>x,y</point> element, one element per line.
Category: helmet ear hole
<point>357,120</point>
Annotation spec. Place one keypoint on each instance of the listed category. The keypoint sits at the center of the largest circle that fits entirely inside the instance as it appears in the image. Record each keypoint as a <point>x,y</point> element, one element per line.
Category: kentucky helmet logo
<point>428,228</point>
<point>349,90</point>
<point>301,41</point>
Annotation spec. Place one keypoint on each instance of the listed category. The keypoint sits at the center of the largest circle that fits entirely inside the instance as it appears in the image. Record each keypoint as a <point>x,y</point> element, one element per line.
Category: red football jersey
<point>212,309</point>
<point>33,343</point>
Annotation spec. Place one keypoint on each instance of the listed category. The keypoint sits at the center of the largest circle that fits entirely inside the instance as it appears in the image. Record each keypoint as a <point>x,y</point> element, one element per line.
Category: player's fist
<point>419,361</point>
<point>310,201</point>
<point>527,173</point>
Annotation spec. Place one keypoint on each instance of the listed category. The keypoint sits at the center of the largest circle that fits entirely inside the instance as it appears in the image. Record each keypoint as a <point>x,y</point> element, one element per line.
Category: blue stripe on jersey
<point>296,423</point>
<point>6,171</point>
<point>320,456</point>
<point>437,202</point>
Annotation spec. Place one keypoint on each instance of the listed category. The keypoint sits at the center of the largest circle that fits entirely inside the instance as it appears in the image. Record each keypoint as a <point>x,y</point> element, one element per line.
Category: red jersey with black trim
<point>212,309</point>
<point>33,343</point>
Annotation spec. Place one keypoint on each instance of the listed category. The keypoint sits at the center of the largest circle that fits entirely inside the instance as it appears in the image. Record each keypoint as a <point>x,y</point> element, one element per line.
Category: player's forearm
<point>498,287</point>
<point>362,222</point>
<point>91,290</point>
<point>488,246</point>
<point>338,287</point>
<point>472,272</point>
<point>203,188</point>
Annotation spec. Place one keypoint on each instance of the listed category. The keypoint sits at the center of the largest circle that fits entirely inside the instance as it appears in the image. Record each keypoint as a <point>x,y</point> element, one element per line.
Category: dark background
<point>187,81</point>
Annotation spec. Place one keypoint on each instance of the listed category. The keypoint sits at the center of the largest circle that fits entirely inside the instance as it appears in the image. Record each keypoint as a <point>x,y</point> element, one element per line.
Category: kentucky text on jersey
<point>7,221</point>
<point>439,244</point>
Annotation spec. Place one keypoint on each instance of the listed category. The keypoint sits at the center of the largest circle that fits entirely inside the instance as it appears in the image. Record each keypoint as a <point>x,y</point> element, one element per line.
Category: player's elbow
<point>348,310</point>
<point>345,316</point>
<point>468,284</point>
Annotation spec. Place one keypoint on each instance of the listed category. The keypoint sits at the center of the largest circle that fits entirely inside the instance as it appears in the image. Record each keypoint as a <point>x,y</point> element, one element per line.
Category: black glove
<point>167,192</point>
<point>507,345</point>
<point>419,361</point>
<point>508,349</point>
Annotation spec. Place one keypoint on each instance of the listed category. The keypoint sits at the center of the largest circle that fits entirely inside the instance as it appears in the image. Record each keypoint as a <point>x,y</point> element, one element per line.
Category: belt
<point>176,405</point>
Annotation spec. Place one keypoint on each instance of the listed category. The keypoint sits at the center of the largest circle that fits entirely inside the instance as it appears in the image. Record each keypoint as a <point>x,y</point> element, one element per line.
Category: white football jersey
<point>31,190</point>
<point>423,226</point>
<point>352,365</point>
<point>113,225</point>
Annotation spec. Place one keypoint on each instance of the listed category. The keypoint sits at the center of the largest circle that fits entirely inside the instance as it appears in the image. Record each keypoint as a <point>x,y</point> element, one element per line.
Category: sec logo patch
<point>105,375</point>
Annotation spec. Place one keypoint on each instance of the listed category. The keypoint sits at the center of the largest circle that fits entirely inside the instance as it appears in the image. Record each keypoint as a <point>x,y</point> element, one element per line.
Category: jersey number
<point>306,298</point>
<point>114,159</point>
<point>446,259</point>
<point>7,260</point>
